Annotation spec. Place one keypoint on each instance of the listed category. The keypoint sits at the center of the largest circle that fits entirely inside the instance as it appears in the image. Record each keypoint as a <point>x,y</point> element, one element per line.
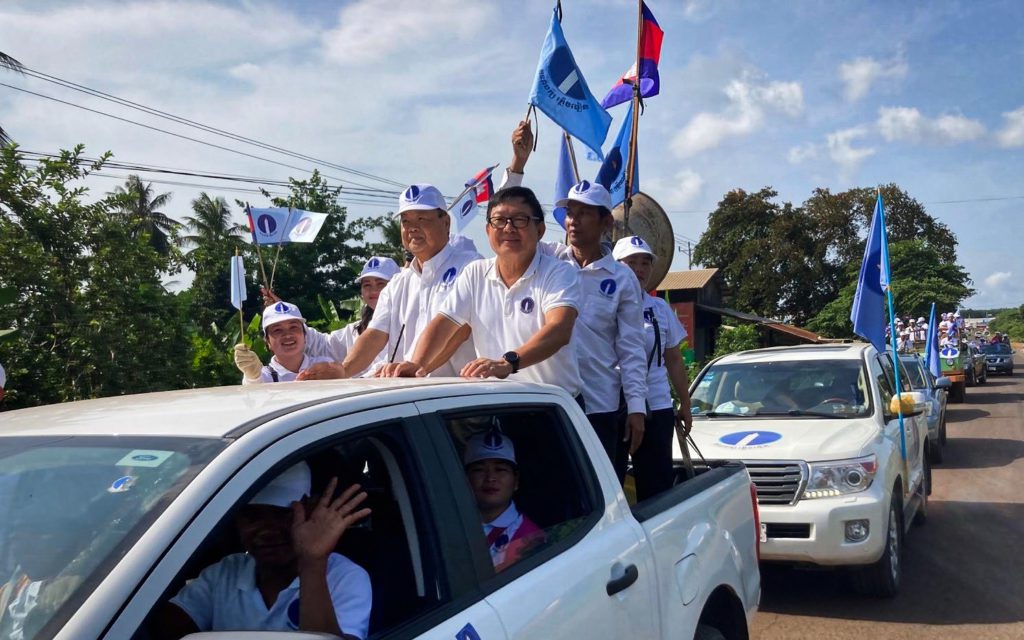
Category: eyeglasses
<point>518,222</point>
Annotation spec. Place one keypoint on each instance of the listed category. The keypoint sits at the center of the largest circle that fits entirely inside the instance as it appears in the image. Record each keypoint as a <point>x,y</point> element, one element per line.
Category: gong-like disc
<point>649,221</point>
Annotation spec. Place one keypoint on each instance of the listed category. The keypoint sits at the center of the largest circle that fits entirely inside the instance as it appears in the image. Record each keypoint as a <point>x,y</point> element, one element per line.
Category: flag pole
<point>256,242</point>
<point>572,155</point>
<point>280,243</point>
<point>630,177</point>
<point>892,338</point>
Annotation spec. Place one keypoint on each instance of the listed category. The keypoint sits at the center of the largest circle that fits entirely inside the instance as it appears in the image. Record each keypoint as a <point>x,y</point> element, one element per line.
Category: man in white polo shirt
<point>415,295</point>
<point>289,577</point>
<point>521,305</point>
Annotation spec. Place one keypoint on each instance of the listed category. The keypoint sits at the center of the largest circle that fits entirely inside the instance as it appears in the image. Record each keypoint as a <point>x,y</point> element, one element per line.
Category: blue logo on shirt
<point>649,316</point>
<point>527,305</point>
<point>608,287</point>
<point>449,276</point>
<point>293,614</point>
<point>748,439</point>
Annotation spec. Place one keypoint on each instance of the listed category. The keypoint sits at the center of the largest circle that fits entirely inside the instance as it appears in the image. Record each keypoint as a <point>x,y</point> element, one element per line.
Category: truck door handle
<point>616,585</point>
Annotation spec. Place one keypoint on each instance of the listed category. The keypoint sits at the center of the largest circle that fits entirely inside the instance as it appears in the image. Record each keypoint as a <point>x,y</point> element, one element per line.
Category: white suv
<point>817,428</point>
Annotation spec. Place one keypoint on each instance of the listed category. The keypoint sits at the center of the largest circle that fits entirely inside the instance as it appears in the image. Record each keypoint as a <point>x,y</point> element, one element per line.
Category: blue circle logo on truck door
<point>749,439</point>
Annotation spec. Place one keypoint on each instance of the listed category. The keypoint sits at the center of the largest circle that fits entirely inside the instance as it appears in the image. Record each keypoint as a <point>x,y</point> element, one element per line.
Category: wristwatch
<point>513,359</point>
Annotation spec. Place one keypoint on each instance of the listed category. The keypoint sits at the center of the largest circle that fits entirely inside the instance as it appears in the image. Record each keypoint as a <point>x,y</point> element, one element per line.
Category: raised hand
<point>316,534</point>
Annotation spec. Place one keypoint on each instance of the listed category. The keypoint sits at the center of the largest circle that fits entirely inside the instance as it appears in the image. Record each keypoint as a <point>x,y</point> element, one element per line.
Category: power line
<point>171,133</point>
<point>192,123</point>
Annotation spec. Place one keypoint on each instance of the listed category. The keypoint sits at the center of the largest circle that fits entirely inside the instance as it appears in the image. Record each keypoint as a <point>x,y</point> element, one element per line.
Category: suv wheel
<point>882,579</point>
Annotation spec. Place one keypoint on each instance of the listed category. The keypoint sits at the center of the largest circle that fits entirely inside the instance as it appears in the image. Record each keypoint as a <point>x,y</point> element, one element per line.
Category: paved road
<point>964,569</point>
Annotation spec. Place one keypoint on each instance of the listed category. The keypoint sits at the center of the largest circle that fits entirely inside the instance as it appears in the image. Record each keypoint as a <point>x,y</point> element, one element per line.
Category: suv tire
<point>882,579</point>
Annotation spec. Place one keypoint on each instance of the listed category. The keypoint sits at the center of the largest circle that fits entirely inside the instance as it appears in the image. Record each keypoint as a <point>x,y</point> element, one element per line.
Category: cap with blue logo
<point>281,312</point>
<point>490,445</point>
<point>588,192</point>
<point>289,487</point>
<point>421,197</point>
<point>631,246</point>
<point>379,267</point>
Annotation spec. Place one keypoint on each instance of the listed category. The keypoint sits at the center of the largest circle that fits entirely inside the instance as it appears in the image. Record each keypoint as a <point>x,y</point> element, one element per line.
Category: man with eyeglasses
<point>610,332</point>
<point>415,295</point>
<point>521,305</point>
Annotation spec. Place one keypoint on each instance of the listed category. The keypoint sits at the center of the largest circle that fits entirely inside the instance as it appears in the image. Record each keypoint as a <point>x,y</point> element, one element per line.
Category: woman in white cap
<point>652,462</point>
<point>376,274</point>
<point>284,330</point>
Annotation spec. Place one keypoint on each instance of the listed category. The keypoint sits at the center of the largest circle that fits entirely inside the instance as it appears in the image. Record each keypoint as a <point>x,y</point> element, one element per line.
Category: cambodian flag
<point>651,36</point>
<point>482,184</point>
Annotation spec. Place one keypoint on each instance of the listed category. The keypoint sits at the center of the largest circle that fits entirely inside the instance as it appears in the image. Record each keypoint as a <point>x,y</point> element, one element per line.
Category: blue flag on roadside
<point>867,313</point>
<point>560,91</point>
<point>931,349</point>
<point>612,173</point>
<point>565,178</point>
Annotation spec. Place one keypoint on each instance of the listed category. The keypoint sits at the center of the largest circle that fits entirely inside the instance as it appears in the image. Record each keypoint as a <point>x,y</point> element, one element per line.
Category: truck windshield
<point>993,349</point>
<point>807,388</point>
<point>71,507</point>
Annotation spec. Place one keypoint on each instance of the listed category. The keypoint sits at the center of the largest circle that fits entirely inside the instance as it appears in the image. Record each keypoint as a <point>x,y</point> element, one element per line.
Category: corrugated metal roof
<point>768,323</point>
<point>695,279</point>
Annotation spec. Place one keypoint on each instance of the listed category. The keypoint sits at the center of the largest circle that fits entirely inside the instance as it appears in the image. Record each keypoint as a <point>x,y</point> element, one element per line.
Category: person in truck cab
<point>289,577</point>
<point>490,462</point>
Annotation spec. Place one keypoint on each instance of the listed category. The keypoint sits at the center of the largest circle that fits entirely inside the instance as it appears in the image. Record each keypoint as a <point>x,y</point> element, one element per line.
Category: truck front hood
<point>807,439</point>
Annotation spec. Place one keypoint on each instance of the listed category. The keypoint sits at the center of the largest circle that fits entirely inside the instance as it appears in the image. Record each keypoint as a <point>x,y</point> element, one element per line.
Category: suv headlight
<point>830,479</point>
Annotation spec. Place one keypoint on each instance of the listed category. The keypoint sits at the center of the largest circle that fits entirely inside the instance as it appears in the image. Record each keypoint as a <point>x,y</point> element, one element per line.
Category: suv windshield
<point>820,388</point>
<point>992,349</point>
<point>70,507</point>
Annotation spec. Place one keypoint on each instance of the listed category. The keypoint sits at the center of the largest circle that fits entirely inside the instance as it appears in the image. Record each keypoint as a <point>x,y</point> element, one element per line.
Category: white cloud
<point>1012,133</point>
<point>698,10</point>
<point>842,152</point>
<point>997,279</point>
<point>679,191</point>
<point>372,29</point>
<point>749,103</point>
<point>802,153</point>
<point>909,124</point>
<point>861,73</point>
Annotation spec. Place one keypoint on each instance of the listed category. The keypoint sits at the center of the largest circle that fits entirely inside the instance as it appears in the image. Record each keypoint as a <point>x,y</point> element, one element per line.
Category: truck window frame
<point>589,485</point>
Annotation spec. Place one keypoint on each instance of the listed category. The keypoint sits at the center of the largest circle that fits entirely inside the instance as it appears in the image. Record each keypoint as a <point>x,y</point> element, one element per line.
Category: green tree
<point>91,314</point>
<point>212,237</point>
<point>138,208</point>
<point>1010,321</point>
<point>9,63</point>
<point>329,265</point>
<point>391,229</point>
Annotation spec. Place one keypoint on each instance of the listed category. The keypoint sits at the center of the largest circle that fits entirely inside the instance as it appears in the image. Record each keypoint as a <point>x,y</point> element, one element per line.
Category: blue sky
<point>796,95</point>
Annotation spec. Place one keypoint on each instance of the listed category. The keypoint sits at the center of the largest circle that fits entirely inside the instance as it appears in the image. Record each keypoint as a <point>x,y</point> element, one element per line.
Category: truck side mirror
<point>942,382</point>
<point>913,405</point>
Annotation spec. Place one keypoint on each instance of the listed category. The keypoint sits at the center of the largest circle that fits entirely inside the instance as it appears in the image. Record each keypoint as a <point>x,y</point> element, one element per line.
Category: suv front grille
<point>777,482</point>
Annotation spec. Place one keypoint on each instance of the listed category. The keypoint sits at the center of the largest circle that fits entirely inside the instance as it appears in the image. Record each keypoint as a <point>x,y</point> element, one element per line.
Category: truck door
<point>589,569</point>
<point>912,426</point>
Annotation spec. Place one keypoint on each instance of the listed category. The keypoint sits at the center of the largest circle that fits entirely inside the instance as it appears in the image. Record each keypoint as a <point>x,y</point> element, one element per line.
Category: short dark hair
<point>517,193</point>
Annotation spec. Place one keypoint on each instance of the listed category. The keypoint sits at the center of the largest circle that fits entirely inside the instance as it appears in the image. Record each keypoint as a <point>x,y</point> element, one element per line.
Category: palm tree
<point>211,225</point>
<point>9,63</point>
<point>136,203</point>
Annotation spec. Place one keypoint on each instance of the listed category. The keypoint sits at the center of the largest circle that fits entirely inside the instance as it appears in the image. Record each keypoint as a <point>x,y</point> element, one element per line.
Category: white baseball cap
<point>490,445</point>
<point>630,246</point>
<point>379,267</point>
<point>421,197</point>
<point>290,486</point>
<point>280,312</point>
<point>588,192</point>
<point>921,319</point>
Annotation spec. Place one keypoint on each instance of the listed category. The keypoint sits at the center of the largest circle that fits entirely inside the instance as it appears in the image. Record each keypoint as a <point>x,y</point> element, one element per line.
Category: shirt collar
<point>492,273</point>
<point>247,577</point>
<point>507,517</point>
<point>604,262</point>
<point>431,267</point>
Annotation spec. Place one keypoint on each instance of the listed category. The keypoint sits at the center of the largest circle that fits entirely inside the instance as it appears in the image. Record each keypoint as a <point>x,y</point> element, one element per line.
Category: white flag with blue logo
<point>305,225</point>
<point>280,225</point>
<point>463,211</point>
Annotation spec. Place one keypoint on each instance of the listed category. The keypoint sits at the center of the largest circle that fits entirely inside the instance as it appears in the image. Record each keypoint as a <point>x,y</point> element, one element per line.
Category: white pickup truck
<point>108,507</point>
<point>817,428</point>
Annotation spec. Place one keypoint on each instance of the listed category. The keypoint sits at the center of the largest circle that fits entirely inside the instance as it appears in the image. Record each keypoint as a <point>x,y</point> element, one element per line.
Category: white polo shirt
<point>609,333</point>
<point>672,333</point>
<point>336,345</point>
<point>412,299</point>
<point>225,597</point>
<point>504,318</point>
<point>283,373</point>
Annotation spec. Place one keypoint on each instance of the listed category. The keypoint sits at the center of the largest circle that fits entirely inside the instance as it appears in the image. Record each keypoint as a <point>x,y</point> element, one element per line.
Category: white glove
<point>248,362</point>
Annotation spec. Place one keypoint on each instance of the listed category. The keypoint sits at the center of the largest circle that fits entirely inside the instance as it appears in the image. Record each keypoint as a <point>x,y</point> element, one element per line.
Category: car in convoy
<point>117,502</point>
<point>817,427</point>
<point>935,392</point>
<point>975,369</point>
<point>998,358</point>
<point>956,360</point>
